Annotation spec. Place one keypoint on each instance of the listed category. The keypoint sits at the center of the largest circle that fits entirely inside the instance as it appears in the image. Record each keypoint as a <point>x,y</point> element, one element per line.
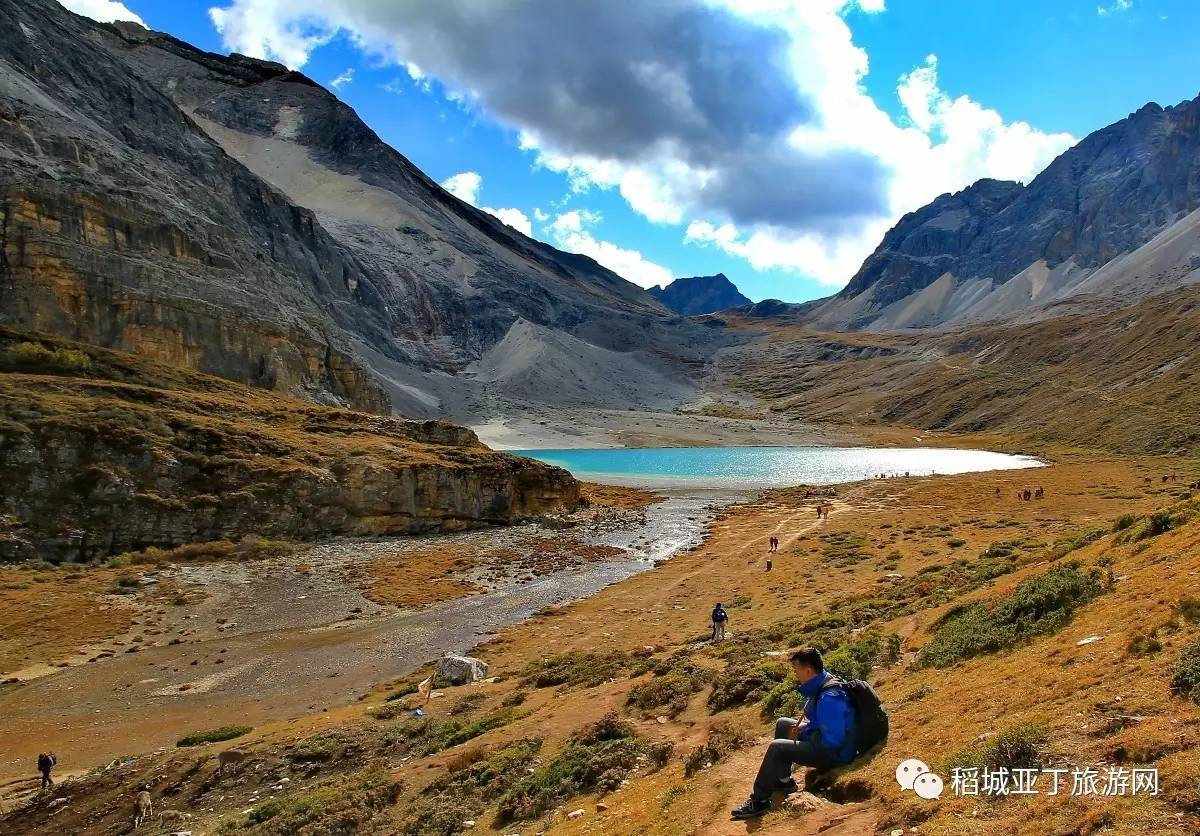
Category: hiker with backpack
<point>840,721</point>
<point>45,763</point>
<point>719,617</point>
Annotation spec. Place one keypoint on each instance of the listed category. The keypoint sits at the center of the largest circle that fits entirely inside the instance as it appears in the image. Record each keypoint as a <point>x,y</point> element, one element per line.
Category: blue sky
<point>811,130</point>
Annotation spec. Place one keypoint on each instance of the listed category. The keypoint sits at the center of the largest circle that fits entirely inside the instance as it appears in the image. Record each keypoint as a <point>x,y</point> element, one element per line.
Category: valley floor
<point>897,550</point>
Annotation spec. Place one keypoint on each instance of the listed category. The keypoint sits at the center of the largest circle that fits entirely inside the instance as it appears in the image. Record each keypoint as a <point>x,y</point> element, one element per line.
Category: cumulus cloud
<point>570,231</point>
<point>466,186</point>
<point>745,121</point>
<point>106,11</point>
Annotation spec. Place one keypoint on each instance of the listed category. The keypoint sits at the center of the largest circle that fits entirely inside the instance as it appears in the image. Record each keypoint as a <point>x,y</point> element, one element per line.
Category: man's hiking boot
<point>752,809</point>
<point>788,786</point>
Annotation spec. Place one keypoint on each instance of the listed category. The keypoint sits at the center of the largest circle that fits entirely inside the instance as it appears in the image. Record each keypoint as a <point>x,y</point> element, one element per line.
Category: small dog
<point>143,808</point>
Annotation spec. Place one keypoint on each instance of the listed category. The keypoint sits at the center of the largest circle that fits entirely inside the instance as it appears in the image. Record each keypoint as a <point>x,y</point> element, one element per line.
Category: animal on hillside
<point>1040,493</point>
<point>143,808</point>
<point>230,757</point>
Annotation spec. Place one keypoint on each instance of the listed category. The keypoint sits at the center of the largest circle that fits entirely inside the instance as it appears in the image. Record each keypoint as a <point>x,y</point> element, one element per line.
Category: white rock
<point>461,669</point>
<point>1088,640</point>
<point>575,814</point>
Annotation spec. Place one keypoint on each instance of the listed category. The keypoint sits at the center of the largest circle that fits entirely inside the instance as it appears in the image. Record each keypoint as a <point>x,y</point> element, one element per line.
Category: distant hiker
<point>768,566</point>
<point>1026,494</point>
<point>1039,493</point>
<point>719,617</point>
<point>997,490</point>
<point>819,507</point>
<point>840,721</point>
<point>774,545</point>
<point>46,762</point>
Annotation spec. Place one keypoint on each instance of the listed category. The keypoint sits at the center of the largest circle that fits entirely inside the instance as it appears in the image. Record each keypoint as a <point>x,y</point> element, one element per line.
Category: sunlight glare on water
<point>769,466</point>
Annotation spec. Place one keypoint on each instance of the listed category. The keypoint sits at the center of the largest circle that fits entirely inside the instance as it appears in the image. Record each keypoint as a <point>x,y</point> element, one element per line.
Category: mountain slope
<point>999,249</point>
<point>700,295</point>
<point>231,216</point>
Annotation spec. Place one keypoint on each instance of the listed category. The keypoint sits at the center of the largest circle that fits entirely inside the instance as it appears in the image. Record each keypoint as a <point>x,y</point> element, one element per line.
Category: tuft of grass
<point>1038,606</point>
<point>1185,676</point>
<point>213,735</point>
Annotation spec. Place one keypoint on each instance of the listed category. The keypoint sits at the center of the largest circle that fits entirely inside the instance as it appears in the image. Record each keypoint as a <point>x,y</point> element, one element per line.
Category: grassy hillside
<point>1121,381</point>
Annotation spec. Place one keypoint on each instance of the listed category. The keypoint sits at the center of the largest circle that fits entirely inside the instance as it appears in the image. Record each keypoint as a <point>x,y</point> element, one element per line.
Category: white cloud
<point>539,215</point>
<point>515,218</point>
<point>570,232</point>
<point>106,11</point>
<point>344,78</point>
<point>805,176</point>
<point>1116,7</point>
<point>465,186</point>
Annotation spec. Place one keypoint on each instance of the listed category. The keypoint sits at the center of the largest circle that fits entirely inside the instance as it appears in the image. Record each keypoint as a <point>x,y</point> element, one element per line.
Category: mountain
<point>700,295</point>
<point>1112,219</point>
<point>231,216</point>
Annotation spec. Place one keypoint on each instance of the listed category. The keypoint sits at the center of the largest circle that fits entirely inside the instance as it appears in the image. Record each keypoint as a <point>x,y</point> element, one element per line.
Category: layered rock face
<point>235,217</point>
<point>105,454</point>
<point>1124,196</point>
<point>699,295</point>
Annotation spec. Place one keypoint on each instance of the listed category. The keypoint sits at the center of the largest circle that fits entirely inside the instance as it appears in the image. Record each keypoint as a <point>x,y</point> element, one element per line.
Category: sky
<point>775,141</point>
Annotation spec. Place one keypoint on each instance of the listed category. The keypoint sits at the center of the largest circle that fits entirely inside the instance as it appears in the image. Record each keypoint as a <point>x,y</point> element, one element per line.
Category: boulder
<point>461,669</point>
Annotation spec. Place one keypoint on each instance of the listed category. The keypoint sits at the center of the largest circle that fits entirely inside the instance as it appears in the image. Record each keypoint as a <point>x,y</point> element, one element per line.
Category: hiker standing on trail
<point>840,720</point>
<point>45,763</point>
<point>719,617</point>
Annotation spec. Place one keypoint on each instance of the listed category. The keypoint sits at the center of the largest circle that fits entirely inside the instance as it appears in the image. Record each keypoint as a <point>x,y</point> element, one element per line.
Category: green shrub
<point>671,688</point>
<point>600,754</point>
<point>746,682</point>
<point>1123,522</point>
<point>1160,522</point>
<point>1038,606</point>
<point>1188,609</point>
<point>448,802</point>
<point>35,358</point>
<point>344,805</point>
<point>1185,679</point>
<point>214,735</point>
<point>724,738</point>
<point>1143,645</point>
<point>1016,747</point>
<point>576,670</point>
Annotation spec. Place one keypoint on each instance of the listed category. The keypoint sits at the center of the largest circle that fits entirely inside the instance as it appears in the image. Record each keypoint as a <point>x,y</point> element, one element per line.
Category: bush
<point>1123,522</point>
<point>1143,645</point>
<point>1017,747</point>
<point>214,735</point>
<point>35,358</point>
<point>1188,609</point>
<point>724,739</point>
<point>603,752</point>
<point>577,670</point>
<point>746,682</point>
<point>340,806</point>
<point>1038,606</point>
<point>671,689</point>
<point>1185,679</point>
<point>1160,522</point>
<point>448,802</point>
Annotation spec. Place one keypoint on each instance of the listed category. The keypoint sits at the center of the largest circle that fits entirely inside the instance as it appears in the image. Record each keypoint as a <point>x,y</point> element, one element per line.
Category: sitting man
<point>823,738</point>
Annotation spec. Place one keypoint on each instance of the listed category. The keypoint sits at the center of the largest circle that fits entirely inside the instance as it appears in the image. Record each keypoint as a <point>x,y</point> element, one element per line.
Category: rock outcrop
<point>105,453</point>
<point>700,295</point>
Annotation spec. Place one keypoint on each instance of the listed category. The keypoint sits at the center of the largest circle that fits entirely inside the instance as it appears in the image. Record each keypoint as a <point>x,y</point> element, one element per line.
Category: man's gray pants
<point>782,755</point>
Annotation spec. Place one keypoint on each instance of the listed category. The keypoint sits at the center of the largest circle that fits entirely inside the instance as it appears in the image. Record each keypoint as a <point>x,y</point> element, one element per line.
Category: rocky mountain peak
<point>698,295</point>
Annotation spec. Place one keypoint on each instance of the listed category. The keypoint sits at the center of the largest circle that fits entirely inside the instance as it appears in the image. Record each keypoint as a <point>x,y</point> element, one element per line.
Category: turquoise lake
<point>769,466</point>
